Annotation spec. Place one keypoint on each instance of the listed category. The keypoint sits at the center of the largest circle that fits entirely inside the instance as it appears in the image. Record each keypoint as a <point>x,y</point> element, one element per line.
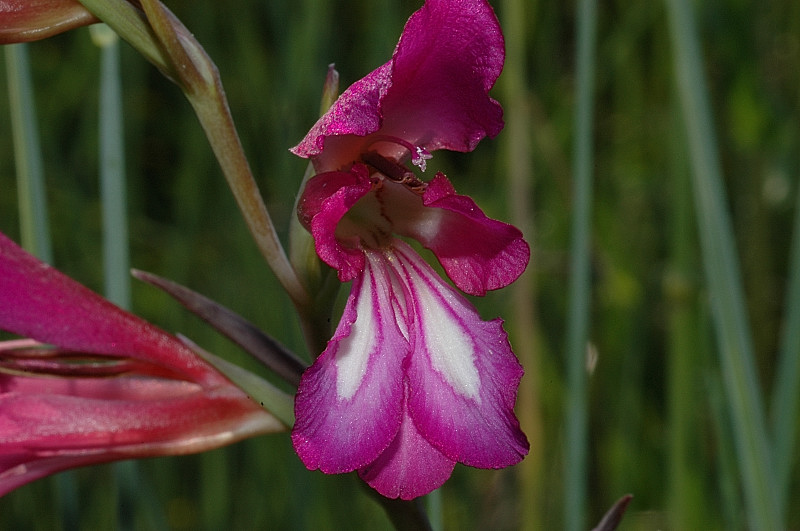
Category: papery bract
<point>31,20</point>
<point>112,386</point>
<point>413,379</point>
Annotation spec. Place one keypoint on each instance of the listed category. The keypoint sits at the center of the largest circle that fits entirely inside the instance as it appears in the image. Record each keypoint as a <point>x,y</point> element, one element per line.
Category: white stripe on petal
<point>452,353</point>
<point>354,350</point>
<point>462,375</point>
<point>446,338</point>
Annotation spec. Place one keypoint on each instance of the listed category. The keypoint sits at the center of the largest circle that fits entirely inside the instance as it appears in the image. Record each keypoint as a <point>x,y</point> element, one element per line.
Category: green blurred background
<point>657,426</point>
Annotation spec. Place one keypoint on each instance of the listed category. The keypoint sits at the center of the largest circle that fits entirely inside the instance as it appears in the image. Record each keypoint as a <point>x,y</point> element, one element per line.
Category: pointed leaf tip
<point>614,515</point>
<point>269,397</point>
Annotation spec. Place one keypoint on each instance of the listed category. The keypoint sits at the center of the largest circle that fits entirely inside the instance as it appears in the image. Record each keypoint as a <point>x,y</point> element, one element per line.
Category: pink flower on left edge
<point>30,20</point>
<point>413,379</point>
<point>110,386</point>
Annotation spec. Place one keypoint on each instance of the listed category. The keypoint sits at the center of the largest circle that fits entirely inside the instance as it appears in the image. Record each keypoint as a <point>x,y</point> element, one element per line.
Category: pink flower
<point>413,380</point>
<point>111,387</point>
<point>30,20</point>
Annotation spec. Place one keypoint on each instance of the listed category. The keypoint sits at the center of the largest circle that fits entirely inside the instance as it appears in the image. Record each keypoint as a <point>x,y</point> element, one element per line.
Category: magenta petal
<point>49,424</point>
<point>52,308</point>
<point>337,137</point>
<point>463,376</point>
<point>348,404</point>
<point>410,467</point>
<point>449,56</point>
<point>478,253</point>
<point>116,388</point>
<point>31,20</point>
<point>326,199</point>
<point>434,92</point>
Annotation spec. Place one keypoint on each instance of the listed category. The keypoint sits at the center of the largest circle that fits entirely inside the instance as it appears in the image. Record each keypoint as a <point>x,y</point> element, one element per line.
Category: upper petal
<point>338,136</point>
<point>450,54</point>
<point>434,92</point>
<point>478,253</point>
<point>463,376</point>
<point>41,303</point>
<point>348,404</point>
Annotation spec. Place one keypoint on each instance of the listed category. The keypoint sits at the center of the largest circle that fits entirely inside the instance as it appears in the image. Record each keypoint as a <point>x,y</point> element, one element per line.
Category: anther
<point>393,171</point>
<point>419,155</point>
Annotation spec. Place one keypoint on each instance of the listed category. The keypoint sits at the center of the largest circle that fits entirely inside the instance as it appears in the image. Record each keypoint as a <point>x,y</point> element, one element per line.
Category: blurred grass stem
<point>785,393</point>
<point>34,220</point>
<point>524,329</point>
<point>126,481</point>
<point>113,196</point>
<point>580,270</point>
<point>734,342</point>
<point>684,354</point>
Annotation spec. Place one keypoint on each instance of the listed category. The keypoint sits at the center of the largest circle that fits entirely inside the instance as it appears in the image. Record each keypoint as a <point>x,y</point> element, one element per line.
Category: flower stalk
<point>165,42</point>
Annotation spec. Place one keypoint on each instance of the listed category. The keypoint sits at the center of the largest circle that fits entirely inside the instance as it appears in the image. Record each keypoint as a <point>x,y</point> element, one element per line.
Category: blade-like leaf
<point>242,332</point>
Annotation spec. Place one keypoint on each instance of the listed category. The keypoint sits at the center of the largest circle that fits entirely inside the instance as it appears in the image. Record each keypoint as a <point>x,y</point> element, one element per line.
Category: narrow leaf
<point>242,332</point>
<point>272,399</point>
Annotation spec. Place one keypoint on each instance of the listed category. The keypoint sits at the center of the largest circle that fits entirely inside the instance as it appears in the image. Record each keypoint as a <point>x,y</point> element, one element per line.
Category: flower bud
<point>31,20</point>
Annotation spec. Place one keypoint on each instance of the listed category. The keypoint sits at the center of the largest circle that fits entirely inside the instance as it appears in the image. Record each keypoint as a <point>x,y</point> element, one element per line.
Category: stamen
<point>419,158</point>
<point>419,155</point>
<point>393,171</point>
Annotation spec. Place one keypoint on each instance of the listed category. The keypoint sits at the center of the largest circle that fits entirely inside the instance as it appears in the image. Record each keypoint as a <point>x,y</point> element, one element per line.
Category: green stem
<point>116,261</point>
<point>435,508</point>
<point>34,221</point>
<point>313,272</point>
<point>202,85</point>
<point>405,515</point>
<point>130,23</point>
<point>518,24</point>
<point>161,37</point>
<point>734,342</point>
<point>786,394</point>
<point>684,354</point>
<point>217,122</point>
<point>579,286</point>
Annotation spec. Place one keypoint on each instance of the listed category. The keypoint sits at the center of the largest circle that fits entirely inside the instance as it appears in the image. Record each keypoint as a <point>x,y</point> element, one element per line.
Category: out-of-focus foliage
<point>656,427</point>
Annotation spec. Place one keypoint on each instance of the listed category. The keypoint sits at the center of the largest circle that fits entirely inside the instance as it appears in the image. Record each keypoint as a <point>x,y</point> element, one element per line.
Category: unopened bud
<point>31,20</point>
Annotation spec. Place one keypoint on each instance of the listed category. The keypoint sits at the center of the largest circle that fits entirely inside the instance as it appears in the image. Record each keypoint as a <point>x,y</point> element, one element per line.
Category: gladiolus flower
<point>109,386</point>
<point>413,380</point>
<point>31,20</point>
